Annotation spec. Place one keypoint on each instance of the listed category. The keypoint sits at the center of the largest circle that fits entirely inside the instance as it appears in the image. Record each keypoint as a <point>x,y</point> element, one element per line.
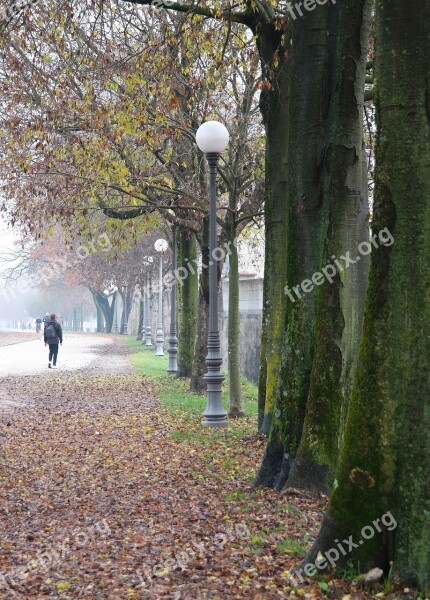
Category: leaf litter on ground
<point>105,493</point>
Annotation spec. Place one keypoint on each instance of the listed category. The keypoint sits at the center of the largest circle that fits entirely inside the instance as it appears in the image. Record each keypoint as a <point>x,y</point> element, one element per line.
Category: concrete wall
<point>250,314</point>
<point>250,309</point>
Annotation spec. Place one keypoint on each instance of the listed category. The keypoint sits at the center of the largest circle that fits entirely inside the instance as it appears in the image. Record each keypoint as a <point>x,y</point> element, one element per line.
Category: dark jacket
<point>58,331</point>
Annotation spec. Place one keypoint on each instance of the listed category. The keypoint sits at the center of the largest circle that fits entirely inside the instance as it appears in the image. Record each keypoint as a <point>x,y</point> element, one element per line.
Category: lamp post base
<point>214,415</point>
<point>172,365</point>
<point>215,421</point>
<point>160,343</point>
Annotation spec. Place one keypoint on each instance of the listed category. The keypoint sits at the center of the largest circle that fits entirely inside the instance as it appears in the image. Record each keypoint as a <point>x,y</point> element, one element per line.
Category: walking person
<point>53,335</point>
<point>38,324</point>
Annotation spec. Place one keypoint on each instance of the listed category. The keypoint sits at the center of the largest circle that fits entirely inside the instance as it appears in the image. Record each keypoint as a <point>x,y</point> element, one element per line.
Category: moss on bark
<point>385,460</point>
<point>187,291</point>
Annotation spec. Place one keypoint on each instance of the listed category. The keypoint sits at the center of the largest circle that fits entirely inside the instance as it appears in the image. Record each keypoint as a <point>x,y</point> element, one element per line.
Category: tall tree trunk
<point>298,217</point>
<point>385,458</point>
<point>236,408</point>
<point>140,332</point>
<point>274,108</point>
<point>344,228</point>
<point>197,383</point>
<point>324,183</point>
<point>107,309</point>
<point>126,296</point>
<point>187,291</point>
<point>99,316</point>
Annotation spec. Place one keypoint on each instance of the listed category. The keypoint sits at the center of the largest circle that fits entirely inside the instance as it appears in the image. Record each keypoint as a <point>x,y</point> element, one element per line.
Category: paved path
<point>92,354</point>
<point>77,352</point>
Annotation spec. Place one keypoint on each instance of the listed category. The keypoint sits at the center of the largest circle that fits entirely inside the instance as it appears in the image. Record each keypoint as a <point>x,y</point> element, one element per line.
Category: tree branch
<point>244,17</point>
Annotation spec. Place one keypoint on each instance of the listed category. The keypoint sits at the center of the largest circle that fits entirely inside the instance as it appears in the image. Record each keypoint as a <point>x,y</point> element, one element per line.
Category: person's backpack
<point>51,333</point>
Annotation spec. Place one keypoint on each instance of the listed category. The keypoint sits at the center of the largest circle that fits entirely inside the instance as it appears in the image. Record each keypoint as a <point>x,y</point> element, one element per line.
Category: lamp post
<point>125,328</point>
<point>172,366</point>
<point>161,247</point>
<point>212,139</point>
<point>148,332</point>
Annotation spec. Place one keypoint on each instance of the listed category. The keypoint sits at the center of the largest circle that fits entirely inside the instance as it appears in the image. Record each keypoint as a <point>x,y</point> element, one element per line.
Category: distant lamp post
<point>212,139</point>
<point>161,247</point>
<point>172,366</point>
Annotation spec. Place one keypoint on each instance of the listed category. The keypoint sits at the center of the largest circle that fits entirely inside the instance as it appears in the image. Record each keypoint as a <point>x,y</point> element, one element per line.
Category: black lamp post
<point>161,247</point>
<point>172,366</point>
<point>212,139</point>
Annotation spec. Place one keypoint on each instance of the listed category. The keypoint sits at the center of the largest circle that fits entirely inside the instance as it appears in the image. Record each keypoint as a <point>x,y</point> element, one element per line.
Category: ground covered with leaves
<point>106,492</point>
<point>7,338</point>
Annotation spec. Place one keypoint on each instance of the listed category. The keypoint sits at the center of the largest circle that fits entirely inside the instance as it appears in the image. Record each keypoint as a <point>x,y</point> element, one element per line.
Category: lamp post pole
<point>172,366</point>
<point>212,139</point>
<point>161,247</point>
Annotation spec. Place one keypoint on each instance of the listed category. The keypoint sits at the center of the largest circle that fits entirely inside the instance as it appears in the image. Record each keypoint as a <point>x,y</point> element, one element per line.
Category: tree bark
<point>140,332</point>
<point>197,383</point>
<point>187,290</point>
<point>385,459</point>
<point>274,108</point>
<point>324,184</point>
<point>236,408</point>
<point>299,213</point>
<point>107,309</point>
<point>343,228</point>
<point>126,296</point>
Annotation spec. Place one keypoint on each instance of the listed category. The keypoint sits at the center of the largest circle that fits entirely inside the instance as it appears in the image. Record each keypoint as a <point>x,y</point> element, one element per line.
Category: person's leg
<point>53,350</point>
<point>55,354</point>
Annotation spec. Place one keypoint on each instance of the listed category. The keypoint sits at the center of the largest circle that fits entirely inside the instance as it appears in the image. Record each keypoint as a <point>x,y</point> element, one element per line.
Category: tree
<point>384,462</point>
<point>85,147</point>
<point>187,292</point>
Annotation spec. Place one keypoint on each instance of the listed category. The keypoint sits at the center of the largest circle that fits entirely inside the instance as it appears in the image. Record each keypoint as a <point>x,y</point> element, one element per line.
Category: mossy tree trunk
<point>274,108</point>
<point>385,458</point>
<point>187,291</point>
<point>324,185</point>
<point>236,408</point>
<point>140,331</point>
<point>197,383</point>
<point>299,211</point>
<point>343,229</point>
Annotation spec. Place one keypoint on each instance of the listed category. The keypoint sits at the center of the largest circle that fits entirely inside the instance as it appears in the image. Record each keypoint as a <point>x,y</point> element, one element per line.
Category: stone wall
<point>250,310</point>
